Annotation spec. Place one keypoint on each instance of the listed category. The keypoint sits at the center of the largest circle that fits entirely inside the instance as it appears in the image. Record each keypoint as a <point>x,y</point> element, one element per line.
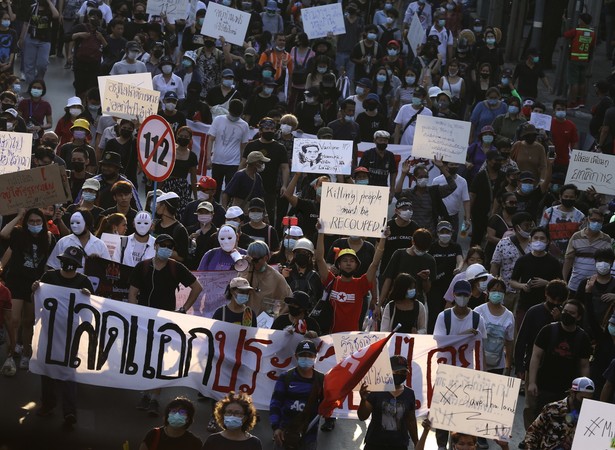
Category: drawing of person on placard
<point>310,155</point>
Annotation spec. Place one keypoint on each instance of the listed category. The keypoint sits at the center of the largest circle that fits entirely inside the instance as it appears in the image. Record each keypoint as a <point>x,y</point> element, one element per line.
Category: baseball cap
<point>233,212</point>
<point>306,346</point>
<point>256,203</point>
<point>324,132</point>
<point>74,101</point>
<point>527,175</point>
<point>74,254</point>
<point>170,95</point>
<point>228,73</point>
<point>361,169</point>
<point>239,283</point>
<point>493,154</point>
<point>444,225</point>
<point>462,287</point>
<point>257,156</point>
<point>528,129</point>
<point>12,112</point>
<point>164,238</point>
<point>295,231</point>
<point>207,183</point>
<point>258,249</point>
<point>365,82</point>
<point>205,205</point>
<point>91,183</point>
<point>133,45</point>
<point>402,202</point>
<point>398,362</point>
<point>582,384</point>
<point>299,298</point>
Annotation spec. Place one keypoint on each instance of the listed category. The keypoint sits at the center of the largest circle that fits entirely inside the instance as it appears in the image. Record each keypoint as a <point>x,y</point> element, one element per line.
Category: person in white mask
<point>139,245</point>
<point>225,256</point>
<point>205,192</point>
<point>81,223</point>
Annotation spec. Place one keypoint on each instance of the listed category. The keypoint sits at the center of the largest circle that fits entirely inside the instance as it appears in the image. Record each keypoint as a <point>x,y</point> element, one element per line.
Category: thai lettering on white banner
<point>474,402</point>
<point>230,23</point>
<point>322,156</point>
<point>596,426</point>
<point>436,137</point>
<point>173,9</point>
<point>98,341</point>
<point>587,169</point>
<point>15,151</point>
<point>319,21</point>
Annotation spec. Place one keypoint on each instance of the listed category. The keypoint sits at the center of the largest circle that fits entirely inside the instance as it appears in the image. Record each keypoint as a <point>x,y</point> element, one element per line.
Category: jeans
<point>35,58</point>
<point>220,173</point>
<point>69,394</point>
<point>342,60</point>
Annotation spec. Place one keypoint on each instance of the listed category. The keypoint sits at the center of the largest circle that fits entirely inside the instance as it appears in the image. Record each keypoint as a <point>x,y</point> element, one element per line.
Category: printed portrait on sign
<point>310,155</point>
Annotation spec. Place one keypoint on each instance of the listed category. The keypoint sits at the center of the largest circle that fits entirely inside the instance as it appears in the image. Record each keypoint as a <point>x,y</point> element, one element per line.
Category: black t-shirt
<point>563,351</point>
<point>402,261</point>
<point>186,441</point>
<point>400,237</point>
<point>527,79</point>
<point>609,121</point>
<point>308,212</point>
<point>216,97</point>
<point>380,168</point>
<point>258,106</point>
<point>388,426</point>
<point>178,232</point>
<point>529,266</point>
<point>157,288</point>
<point>176,120</point>
<point>128,152</point>
<point>79,281</point>
<point>281,322</point>
<point>225,314</point>
<point>365,254</point>
<point>307,114</point>
<point>219,442</point>
<point>446,261</point>
<point>267,234</point>
<point>530,203</point>
<point>247,79</point>
<point>39,21</point>
<point>369,125</point>
<point>274,151</point>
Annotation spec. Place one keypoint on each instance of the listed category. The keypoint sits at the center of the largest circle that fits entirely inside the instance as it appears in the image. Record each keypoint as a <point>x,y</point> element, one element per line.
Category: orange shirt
<point>276,58</point>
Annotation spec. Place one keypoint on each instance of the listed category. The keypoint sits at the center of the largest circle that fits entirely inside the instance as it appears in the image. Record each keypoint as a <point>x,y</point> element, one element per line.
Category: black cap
<point>299,298</point>
<point>112,159</point>
<point>398,362</point>
<point>72,254</point>
<point>306,346</point>
<point>164,238</point>
<point>257,203</point>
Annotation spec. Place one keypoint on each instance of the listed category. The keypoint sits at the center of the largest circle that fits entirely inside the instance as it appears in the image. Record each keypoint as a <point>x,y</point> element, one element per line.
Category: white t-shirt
<point>94,246</point>
<point>503,325</point>
<point>454,201</point>
<point>444,36</point>
<point>458,325</point>
<point>105,9</point>
<point>135,251</point>
<point>229,137</point>
<point>406,113</point>
<point>175,84</point>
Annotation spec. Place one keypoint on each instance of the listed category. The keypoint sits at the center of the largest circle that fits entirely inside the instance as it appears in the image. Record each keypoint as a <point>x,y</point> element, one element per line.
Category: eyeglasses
<point>228,413</point>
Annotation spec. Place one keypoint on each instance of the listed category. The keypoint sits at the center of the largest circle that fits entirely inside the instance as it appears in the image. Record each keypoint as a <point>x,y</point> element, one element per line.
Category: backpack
<point>494,344</point>
<point>448,317</point>
<point>387,35</point>
<point>89,50</point>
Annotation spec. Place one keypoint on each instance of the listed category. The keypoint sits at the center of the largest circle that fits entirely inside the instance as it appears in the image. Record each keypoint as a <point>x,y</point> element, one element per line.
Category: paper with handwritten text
<point>319,21</point>
<point>322,156</point>
<point>174,9</point>
<point>596,426</point>
<point>15,151</point>
<point>435,137</point>
<point>541,121</point>
<point>474,402</point>
<point>230,23</point>
<point>129,102</point>
<point>587,169</point>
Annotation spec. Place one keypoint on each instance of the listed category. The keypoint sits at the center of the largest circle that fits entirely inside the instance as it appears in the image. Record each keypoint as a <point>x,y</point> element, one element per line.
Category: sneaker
<point>144,402</point>
<point>153,410</point>
<point>24,362</point>
<point>70,419</point>
<point>482,443</point>
<point>68,65</point>
<point>9,368</point>
<point>329,424</point>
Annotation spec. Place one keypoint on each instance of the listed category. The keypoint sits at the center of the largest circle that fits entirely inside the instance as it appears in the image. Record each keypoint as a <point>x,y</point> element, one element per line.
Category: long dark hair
<point>401,284</point>
<point>42,239</point>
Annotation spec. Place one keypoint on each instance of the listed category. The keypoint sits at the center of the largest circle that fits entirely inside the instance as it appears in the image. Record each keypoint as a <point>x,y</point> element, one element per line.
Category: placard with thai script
<point>319,21</point>
<point>15,151</point>
<point>322,156</point>
<point>587,169</point>
<point>230,23</point>
<point>436,137</point>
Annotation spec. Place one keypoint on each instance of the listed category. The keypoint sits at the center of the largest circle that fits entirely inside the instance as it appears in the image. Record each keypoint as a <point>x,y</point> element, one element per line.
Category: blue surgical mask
<point>410,80</point>
<point>186,63</point>
<point>496,297</point>
<point>526,188</point>
<point>362,182</point>
<point>392,52</point>
<point>512,109</point>
<point>321,69</point>
<point>417,101</point>
<point>442,22</point>
<point>372,36</point>
<point>490,41</point>
<point>411,293</point>
<point>319,191</point>
<point>6,23</point>
<point>227,83</point>
<point>35,229</point>
<point>88,197</point>
<point>268,90</point>
<point>36,92</point>
<point>388,6</point>
<point>232,422</point>
<point>360,90</point>
<point>349,119</point>
<point>305,363</point>
<point>267,73</point>
<point>492,101</point>
<point>535,59</point>
<point>289,244</point>
<point>560,114</point>
<point>487,139</point>
<point>177,420</point>
<point>612,329</point>
<point>505,81</point>
<point>381,78</point>
<point>595,226</point>
<point>242,299</point>
<point>164,252</point>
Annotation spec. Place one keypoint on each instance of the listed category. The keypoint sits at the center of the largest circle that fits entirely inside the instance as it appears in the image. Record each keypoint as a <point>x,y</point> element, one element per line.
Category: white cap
<point>167,196</point>
<point>434,91</point>
<point>74,101</point>
<point>233,212</point>
<point>295,231</point>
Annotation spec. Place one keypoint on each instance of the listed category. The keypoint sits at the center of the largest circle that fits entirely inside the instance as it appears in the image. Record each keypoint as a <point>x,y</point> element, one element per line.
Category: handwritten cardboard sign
<point>128,102</point>
<point>322,156</point>
<point>319,21</point>
<point>230,23</point>
<point>142,80</point>
<point>474,402</point>
<point>353,209</point>
<point>33,188</point>
<point>596,426</point>
<point>436,137</point>
<point>15,151</point>
<point>588,169</point>
<point>416,33</point>
<point>174,9</point>
<point>380,376</point>
<point>541,121</point>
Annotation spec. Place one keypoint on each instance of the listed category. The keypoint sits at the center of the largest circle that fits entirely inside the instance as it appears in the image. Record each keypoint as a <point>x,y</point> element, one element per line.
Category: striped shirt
<point>582,249</point>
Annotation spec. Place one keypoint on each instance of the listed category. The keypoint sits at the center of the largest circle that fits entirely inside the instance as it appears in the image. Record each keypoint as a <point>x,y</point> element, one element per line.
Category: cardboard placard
<point>230,23</point>
<point>416,33</point>
<point>435,137</point>
<point>129,102</point>
<point>596,426</point>
<point>541,121</point>
<point>33,188</point>
<point>174,9</point>
<point>143,80</point>
<point>588,169</point>
<point>319,21</point>
<point>322,156</point>
<point>353,209</point>
<point>15,151</point>
<point>474,402</point>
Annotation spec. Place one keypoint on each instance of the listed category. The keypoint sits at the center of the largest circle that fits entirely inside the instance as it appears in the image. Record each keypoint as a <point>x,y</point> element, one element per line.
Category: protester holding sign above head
<point>178,416</point>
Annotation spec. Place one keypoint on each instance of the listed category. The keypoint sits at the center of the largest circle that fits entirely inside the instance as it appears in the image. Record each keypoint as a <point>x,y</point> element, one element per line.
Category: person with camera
<point>295,400</point>
<point>300,273</point>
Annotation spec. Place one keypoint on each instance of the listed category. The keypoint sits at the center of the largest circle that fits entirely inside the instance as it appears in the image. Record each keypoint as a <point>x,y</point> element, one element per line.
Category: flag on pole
<point>342,379</point>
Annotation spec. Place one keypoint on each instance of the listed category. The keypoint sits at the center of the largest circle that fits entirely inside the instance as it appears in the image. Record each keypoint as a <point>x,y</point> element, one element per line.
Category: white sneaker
<point>9,369</point>
<point>24,362</point>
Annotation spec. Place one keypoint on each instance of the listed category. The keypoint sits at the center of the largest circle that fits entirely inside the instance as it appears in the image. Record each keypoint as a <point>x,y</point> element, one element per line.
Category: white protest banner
<point>15,151</point>
<point>436,137</point>
<point>113,242</point>
<point>541,121</point>
<point>174,9</point>
<point>129,102</point>
<point>322,156</point>
<point>596,426</point>
<point>587,169</point>
<point>353,209</point>
<point>94,340</point>
<point>379,377</point>
<point>319,21</point>
<point>33,188</point>
<point>142,80</point>
<point>212,297</point>
<point>230,23</point>
<point>416,33</point>
<point>474,402</point>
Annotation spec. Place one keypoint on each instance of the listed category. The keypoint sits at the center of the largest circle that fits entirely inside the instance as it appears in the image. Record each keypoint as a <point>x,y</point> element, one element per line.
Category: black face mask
<point>124,13</point>
<point>140,16</point>
<point>209,44</point>
<point>567,202</point>
<point>344,273</point>
<point>530,139</point>
<point>551,305</point>
<point>381,146</point>
<point>268,135</point>
<point>6,106</point>
<point>78,166</point>
<point>485,76</point>
<point>497,166</point>
<point>301,260</point>
<point>453,170</point>
<point>510,209</point>
<point>68,266</point>
<point>183,141</point>
<point>157,53</point>
<point>399,378</point>
<point>126,133</point>
<point>294,310</point>
<point>567,319</point>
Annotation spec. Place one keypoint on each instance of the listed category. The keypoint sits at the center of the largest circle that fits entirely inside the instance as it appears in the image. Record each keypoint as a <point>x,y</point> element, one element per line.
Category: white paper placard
<point>474,402</point>
<point>416,33</point>
<point>319,21</point>
<point>596,426</point>
<point>541,121</point>
<point>112,241</point>
<point>128,102</point>
<point>436,137</point>
<point>143,80</point>
<point>322,156</point>
<point>353,209</point>
<point>230,23</point>
<point>174,9</point>
<point>588,169</point>
<point>15,151</point>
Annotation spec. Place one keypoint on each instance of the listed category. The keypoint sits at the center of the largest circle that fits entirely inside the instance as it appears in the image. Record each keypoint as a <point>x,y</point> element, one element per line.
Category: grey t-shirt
<point>123,67</point>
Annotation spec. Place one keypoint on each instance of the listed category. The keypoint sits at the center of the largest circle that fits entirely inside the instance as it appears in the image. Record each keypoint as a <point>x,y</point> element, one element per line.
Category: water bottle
<point>464,231</point>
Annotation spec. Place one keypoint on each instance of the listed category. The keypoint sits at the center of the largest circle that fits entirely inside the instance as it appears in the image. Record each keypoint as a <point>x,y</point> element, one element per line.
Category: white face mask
<point>77,224</point>
<point>538,246</point>
<point>461,300</point>
<point>422,182</point>
<point>74,111</point>
<point>255,216</point>
<point>286,129</point>
<point>170,106</point>
<point>603,267</point>
<point>445,238</point>
<point>143,223</point>
<point>167,69</point>
<point>202,195</point>
<point>406,215</point>
<point>204,218</point>
<point>482,285</point>
<point>132,55</point>
<point>227,238</point>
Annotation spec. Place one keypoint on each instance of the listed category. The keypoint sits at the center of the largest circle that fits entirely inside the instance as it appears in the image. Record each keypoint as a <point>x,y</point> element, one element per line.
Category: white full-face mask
<point>227,238</point>
<point>143,223</point>
<point>77,224</point>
